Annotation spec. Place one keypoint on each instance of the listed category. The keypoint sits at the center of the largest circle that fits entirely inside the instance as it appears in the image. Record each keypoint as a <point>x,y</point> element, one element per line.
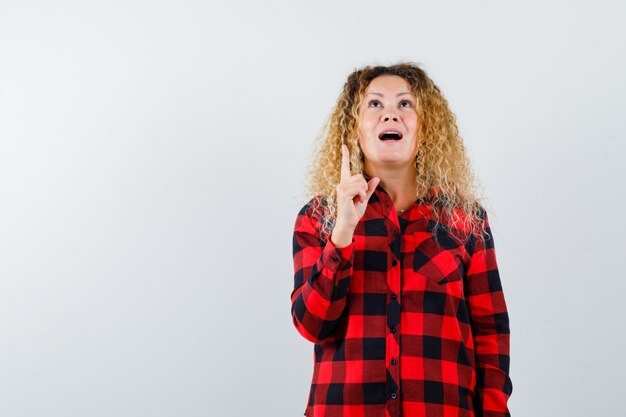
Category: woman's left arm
<point>490,327</point>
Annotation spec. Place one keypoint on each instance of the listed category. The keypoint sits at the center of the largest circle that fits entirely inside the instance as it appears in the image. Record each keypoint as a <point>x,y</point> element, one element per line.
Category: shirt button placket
<point>393,321</point>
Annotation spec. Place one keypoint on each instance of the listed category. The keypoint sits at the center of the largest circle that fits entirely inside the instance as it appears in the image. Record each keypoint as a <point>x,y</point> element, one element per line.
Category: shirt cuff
<point>335,258</point>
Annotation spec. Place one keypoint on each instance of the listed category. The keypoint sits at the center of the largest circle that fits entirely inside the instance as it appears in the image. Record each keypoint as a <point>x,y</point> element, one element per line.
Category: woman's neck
<point>400,184</point>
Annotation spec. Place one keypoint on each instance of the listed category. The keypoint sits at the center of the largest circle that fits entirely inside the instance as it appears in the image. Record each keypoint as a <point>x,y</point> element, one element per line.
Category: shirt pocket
<point>438,258</point>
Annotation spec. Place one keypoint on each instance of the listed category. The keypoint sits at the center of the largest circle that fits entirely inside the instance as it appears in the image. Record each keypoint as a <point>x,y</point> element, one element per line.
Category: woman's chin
<point>389,160</point>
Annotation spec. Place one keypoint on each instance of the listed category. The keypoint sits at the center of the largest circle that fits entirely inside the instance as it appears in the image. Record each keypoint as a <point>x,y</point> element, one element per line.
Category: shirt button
<point>394,296</point>
<point>393,362</point>
<point>393,395</point>
<point>394,263</point>
<point>393,330</point>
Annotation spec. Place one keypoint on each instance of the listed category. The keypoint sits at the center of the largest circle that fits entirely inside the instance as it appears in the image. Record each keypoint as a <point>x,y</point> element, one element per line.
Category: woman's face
<point>388,105</point>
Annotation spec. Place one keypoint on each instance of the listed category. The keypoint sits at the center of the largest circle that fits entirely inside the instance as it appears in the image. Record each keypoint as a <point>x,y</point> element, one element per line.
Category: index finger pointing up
<point>345,163</point>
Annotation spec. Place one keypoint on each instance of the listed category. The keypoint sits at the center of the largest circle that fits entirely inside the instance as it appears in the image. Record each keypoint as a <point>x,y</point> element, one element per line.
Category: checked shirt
<point>405,320</point>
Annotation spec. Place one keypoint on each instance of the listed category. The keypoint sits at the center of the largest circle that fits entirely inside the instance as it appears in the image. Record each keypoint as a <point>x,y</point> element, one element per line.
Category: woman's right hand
<point>353,193</point>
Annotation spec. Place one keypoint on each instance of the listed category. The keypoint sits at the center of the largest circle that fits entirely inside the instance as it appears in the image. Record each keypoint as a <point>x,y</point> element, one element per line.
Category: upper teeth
<point>384,133</point>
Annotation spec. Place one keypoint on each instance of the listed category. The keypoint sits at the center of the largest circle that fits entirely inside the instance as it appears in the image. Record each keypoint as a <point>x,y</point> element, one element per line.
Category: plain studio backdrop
<point>153,159</point>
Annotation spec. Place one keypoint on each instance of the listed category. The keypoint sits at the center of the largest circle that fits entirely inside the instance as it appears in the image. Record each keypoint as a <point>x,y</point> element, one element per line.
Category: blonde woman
<point>395,274</point>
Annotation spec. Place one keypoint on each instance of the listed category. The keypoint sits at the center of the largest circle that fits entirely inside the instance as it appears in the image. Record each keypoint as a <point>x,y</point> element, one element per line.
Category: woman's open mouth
<point>390,135</point>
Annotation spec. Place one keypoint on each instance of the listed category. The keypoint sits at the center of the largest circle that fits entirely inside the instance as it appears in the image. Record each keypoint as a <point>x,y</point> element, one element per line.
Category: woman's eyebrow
<point>399,94</point>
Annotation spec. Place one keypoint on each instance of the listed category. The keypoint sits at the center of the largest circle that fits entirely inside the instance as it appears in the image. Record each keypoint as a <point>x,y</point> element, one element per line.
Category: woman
<point>395,274</point>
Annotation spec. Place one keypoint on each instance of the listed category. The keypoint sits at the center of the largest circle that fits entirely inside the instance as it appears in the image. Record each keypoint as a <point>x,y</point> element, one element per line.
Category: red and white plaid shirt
<point>405,321</point>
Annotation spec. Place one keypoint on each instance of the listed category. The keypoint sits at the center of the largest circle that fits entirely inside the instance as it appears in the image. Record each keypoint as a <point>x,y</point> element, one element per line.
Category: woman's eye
<point>403,103</point>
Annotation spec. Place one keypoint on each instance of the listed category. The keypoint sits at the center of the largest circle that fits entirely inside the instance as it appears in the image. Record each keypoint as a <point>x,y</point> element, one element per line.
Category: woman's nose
<point>390,114</point>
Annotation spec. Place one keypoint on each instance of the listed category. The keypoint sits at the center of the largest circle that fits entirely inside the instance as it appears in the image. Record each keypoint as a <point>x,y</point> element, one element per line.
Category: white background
<point>152,161</point>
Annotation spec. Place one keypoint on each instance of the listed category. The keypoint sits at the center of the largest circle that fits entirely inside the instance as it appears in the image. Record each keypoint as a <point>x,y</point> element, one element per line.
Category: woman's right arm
<point>322,273</point>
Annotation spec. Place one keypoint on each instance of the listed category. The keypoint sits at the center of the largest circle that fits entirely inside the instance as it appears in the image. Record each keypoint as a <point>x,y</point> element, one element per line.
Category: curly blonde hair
<point>444,177</point>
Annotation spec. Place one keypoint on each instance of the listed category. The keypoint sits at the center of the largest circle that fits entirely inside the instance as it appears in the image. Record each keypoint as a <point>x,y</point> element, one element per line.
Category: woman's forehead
<point>380,87</point>
<point>388,82</point>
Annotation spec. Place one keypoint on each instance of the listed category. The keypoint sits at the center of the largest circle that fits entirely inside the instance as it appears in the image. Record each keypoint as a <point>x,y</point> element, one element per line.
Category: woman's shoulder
<point>313,217</point>
<point>314,204</point>
<point>465,222</point>
<point>313,211</point>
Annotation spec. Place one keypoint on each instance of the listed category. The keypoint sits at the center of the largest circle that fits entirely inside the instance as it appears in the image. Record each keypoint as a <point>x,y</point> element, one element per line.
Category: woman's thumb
<point>371,186</point>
